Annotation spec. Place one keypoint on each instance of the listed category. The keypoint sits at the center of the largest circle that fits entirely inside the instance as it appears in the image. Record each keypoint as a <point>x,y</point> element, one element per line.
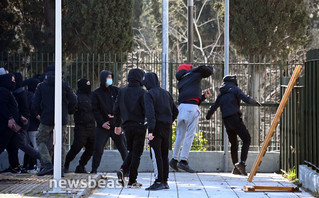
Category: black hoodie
<point>83,116</point>
<point>189,83</point>
<point>160,108</point>
<point>129,104</point>
<point>21,96</point>
<point>32,85</point>
<point>103,99</point>
<point>43,100</point>
<point>229,100</point>
<point>8,104</point>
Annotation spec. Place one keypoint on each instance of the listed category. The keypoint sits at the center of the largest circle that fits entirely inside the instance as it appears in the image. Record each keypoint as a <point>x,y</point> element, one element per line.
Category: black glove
<point>209,115</point>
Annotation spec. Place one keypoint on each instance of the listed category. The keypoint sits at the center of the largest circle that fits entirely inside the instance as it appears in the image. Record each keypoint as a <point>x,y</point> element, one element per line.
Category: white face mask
<point>109,81</point>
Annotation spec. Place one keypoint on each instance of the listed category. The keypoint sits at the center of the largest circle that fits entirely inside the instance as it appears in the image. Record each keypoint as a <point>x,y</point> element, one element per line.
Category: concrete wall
<point>309,178</point>
<point>208,161</point>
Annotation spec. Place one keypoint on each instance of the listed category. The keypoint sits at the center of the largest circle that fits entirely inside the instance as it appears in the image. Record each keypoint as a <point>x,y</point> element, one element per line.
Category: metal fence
<point>309,150</point>
<point>300,121</point>
<point>291,126</point>
<point>261,77</point>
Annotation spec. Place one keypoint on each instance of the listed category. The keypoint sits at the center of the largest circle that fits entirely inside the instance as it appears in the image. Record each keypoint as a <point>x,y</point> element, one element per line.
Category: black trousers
<point>159,152</point>
<point>100,140</point>
<point>8,142</point>
<point>135,137</point>
<point>83,137</point>
<point>23,144</point>
<point>13,141</point>
<point>235,126</point>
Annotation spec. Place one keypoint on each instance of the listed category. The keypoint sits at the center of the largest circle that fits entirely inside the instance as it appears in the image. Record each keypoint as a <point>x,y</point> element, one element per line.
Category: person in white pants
<point>190,97</point>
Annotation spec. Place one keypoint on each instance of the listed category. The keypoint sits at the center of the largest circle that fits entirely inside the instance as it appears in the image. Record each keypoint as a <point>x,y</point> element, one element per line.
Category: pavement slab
<point>182,185</point>
<point>201,185</point>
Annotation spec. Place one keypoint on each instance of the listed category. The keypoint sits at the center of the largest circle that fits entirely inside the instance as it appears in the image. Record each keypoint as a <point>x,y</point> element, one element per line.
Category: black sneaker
<point>15,170</point>
<point>80,169</point>
<point>166,185</point>
<point>134,185</point>
<point>7,170</point>
<point>184,166</point>
<point>173,164</point>
<point>236,171</point>
<point>156,186</point>
<point>23,170</point>
<point>241,167</point>
<point>120,177</point>
<point>93,171</point>
<point>47,170</point>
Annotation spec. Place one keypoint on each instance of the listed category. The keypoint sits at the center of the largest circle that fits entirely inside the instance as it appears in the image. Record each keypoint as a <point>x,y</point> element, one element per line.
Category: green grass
<point>291,175</point>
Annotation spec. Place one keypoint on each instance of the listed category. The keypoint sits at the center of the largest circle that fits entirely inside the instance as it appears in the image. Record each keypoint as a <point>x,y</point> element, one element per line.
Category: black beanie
<point>231,78</point>
<point>82,86</point>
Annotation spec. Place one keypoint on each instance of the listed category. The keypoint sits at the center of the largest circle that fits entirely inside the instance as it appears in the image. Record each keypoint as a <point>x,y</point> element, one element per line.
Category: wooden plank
<point>270,189</point>
<point>275,122</point>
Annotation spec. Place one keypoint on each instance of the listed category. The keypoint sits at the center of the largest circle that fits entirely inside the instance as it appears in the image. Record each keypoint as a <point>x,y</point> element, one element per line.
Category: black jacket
<point>229,100</point>
<point>103,100</point>
<point>33,121</point>
<point>21,97</point>
<point>8,104</point>
<point>159,104</point>
<point>83,116</point>
<point>43,100</point>
<point>129,105</point>
<point>189,83</point>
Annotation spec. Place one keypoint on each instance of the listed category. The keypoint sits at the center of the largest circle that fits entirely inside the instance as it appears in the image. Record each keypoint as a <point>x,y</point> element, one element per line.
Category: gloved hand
<point>209,115</point>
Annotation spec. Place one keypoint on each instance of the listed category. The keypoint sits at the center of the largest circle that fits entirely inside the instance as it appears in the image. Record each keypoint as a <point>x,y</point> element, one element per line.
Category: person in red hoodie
<point>190,97</point>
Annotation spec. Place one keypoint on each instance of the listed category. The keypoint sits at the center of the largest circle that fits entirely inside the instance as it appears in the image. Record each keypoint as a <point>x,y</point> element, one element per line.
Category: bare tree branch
<point>201,10</point>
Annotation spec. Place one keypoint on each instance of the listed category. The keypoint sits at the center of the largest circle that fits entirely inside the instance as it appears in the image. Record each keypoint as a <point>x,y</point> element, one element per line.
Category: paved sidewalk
<point>30,185</point>
<point>200,185</point>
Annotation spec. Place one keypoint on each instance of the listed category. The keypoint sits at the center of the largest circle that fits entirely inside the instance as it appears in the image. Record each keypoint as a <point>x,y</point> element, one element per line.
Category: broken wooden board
<point>270,189</point>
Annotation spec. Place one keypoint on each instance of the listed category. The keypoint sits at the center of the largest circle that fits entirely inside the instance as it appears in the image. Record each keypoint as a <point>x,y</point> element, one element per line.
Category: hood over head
<point>32,84</point>
<point>182,70</point>
<point>51,68</point>
<point>150,80</point>
<point>229,81</point>
<point>135,77</point>
<point>49,78</point>
<point>18,77</point>
<point>6,82</point>
<point>103,77</point>
<point>2,71</point>
<point>83,87</point>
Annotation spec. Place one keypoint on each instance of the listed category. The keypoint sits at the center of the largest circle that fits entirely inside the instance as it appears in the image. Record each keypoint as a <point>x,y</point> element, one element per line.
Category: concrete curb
<point>309,178</point>
<point>206,161</point>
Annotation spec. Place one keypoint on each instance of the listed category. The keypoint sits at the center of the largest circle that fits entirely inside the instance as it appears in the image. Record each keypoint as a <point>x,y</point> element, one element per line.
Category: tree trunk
<point>49,29</point>
<point>252,115</point>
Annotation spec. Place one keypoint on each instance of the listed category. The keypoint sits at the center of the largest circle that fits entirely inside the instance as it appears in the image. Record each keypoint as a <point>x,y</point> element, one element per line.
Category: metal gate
<point>299,125</point>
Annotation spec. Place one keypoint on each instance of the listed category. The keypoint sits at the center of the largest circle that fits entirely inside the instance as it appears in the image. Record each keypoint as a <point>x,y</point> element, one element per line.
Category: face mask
<point>109,81</point>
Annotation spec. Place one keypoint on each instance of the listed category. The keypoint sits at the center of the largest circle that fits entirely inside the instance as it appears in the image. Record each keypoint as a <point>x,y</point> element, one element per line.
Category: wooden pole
<point>275,122</point>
